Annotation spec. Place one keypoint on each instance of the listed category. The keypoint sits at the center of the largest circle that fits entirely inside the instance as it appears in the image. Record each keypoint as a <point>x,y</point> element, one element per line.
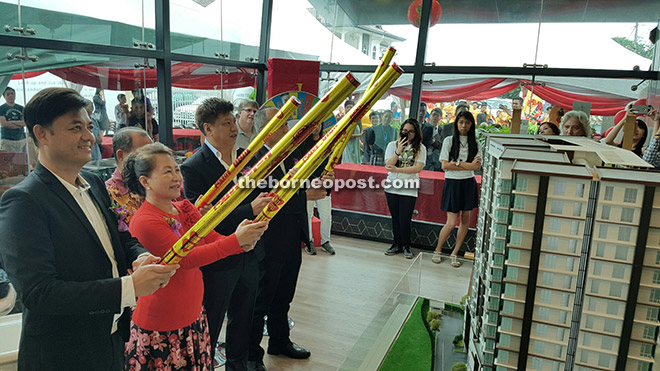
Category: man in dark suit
<point>281,264</point>
<point>230,284</point>
<point>63,251</point>
<point>431,140</point>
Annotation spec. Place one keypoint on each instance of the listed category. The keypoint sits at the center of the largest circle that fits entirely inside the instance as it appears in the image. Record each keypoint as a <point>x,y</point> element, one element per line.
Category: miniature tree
<point>459,366</point>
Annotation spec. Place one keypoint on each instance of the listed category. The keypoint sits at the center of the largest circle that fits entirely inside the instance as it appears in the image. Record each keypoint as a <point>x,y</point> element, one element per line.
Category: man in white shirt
<point>246,130</point>
<point>63,251</point>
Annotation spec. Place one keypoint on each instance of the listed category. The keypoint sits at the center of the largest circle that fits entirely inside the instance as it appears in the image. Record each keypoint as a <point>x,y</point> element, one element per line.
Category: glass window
<point>589,322</point>
<point>607,343</point>
<point>604,360</point>
<point>627,214</point>
<point>577,209</point>
<point>517,220</point>
<point>554,225</point>
<point>505,340</point>
<point>546,296</point>
<point>548,279</point>
<point>564,299</point>
<point>514,256</point>
<point>543,313</point>
<point>600,249</point>
<point>506,324</point>
<point>630,195</point>
<point>657,258</point>
<point>584,356</point>
<point>559,350</point>
<point>557,207</point>
<point>610,326</point>
<point>652,314</point>
<point>539,347</point>
<point>621,252</point>
<point>602,233</point>
<point>618,271</point>
<point>559,188</point>
<point>656,276</point>
<point>512,273</point>
<point>579,190</point>
<point>503,356</point>
<point>552,243</point>
<point>541,330</point>
<point>649,332</point>
<point>586,339</point>
<point>598,266</point>
<point>519,202</point>
<point>609,192</point>
<point>595,286</point>
<point>605,212</point>
<point>560,333</point>
<point>572,245</point>
<point>563,315</point>
<point>507,307</point>
<point>510,290</point>
<point>646,350</point>
<point>570,264</point>
<point>615,289</point>
<point>549,261</point>
<point>537,363</point>
<point>592,304</point>
<point>516,238</point>
<point>655,296</point>
<point>613,307</point>
<point>568,282</point>
<point>624,233</point>
<point>521,184</point>
<point>575,227</point>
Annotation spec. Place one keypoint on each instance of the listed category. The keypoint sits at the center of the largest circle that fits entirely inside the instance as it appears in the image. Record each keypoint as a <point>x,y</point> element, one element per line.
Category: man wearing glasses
<point>246,131</point>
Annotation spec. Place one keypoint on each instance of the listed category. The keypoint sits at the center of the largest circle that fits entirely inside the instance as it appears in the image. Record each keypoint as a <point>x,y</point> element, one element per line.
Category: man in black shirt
<point>12,131</point>
<point>138,119</point>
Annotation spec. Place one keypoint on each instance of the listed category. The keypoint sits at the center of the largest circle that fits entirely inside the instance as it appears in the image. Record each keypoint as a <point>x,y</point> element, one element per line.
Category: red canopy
<point>184,75</point>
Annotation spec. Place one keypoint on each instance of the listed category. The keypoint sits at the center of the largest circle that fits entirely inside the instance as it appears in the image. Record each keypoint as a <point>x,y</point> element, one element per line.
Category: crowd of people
<point>84,256</point>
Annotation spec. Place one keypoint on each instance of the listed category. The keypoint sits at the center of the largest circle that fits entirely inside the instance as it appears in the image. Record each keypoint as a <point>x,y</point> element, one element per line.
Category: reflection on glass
<point>193,84</point>
<point>229,28</point>
<point>343,34</point>
<point>118,23</point>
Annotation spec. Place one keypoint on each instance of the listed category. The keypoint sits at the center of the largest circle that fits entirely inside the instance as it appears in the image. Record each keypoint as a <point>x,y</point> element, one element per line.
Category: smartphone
<point>640,109</point>
<point>403,136</point>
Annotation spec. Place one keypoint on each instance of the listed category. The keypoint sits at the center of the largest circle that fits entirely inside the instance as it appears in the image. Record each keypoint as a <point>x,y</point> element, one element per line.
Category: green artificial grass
<point>412,350</point>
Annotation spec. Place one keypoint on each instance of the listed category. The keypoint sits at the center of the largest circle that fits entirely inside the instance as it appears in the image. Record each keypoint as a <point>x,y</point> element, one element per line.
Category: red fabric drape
<point>446,95</point>
<point>183,76</point>
<point>28,75</point>
<point>602,106</point>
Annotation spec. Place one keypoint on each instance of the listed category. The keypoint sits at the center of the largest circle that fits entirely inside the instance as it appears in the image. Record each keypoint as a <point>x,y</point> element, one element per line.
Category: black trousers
<point>401,209</point>
<point>232,291</point>
<point>277,284</point>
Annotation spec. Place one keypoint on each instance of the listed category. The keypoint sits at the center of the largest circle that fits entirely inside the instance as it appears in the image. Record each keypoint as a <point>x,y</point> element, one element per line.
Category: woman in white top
<point>404,159</point>
<point>460,157</point>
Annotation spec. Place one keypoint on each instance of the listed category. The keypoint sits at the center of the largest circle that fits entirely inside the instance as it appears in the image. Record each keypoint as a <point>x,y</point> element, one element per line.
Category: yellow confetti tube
<point>263,168</point>
<point>341,146</point>
<point>275,123</point>
<point>313,159</point>
<point>387,58</point>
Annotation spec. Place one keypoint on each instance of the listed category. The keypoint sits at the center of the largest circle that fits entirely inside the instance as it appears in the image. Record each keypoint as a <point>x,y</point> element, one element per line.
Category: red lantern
<point>415,13</point>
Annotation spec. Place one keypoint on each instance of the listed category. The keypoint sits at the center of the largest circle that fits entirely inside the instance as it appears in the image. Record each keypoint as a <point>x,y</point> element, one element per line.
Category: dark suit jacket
<point>288,229</point>
<point>57,263</point>
<point>200,172</point>
<point>427,135</point>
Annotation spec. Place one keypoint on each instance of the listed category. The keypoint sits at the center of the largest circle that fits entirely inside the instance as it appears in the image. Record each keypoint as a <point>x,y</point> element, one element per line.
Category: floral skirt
<point>188,348</point>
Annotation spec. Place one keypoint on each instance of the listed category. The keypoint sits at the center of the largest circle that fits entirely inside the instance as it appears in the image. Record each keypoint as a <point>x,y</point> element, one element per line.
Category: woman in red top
<point>169,329</point>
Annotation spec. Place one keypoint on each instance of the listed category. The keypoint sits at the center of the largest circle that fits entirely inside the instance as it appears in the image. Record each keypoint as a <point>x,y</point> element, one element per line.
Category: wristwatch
<point>458,163</point>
